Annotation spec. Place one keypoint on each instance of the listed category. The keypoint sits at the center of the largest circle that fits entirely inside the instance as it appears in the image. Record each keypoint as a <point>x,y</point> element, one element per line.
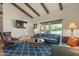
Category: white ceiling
<point>71,6</point>
<point>38,8</point>
<point>52,7</point>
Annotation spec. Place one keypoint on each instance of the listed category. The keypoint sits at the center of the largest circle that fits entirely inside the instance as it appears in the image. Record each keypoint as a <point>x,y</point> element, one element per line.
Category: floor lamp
<point>72,26</point>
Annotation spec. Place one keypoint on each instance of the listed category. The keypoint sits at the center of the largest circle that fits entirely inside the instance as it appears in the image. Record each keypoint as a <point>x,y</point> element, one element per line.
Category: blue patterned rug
<point>28,49</point>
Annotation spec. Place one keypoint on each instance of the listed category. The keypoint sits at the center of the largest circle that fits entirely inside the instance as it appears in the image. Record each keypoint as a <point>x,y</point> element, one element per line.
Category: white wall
<point>70,13</point>
<point>1,20</point>
<point>11,14</point>
<point>1,24</point>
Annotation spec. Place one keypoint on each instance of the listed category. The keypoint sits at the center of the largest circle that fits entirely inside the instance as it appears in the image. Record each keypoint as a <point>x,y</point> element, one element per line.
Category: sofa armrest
<point>58,40</point>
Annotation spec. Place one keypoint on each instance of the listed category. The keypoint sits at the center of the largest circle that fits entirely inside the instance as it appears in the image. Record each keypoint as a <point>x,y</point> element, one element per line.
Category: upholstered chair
<point>8,39</point>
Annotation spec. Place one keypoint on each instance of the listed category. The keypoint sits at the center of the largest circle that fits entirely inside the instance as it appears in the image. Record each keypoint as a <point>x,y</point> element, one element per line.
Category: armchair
<point>8,39</point>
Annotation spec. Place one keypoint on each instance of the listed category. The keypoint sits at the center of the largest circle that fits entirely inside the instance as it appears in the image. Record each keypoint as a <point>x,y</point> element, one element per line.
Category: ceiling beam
<point>1,3</point>
<point>60,6</point>
<point>1,12</point>
<point>22,10</point>
<point>45,8</point>
<point>29,6</point>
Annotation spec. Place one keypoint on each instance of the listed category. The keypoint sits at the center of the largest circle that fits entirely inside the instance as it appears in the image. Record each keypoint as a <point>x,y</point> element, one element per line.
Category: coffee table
<point>35,41</point>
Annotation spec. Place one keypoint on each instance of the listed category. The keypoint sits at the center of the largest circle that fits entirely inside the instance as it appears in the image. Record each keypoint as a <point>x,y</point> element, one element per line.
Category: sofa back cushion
<point>47,35</point>
<point>50,35</point>
<point>40,35</point>
<point>55,36</point>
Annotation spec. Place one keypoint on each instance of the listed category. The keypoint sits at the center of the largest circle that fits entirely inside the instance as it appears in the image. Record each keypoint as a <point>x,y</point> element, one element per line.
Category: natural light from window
<point>56,29</point>
<point>52,28</point>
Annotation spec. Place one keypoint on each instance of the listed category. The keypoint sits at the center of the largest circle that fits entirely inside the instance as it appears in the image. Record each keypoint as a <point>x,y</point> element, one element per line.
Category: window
<point>53,27</point>
<point>45,28</point>
<point>56,28</point>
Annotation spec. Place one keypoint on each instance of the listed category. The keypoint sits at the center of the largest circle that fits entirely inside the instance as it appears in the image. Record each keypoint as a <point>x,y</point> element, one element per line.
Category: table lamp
<point>72,26</point>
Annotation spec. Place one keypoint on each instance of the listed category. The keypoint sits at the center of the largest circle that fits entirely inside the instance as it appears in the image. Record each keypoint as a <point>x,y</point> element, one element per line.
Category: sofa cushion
<point>72,41</point>
<point>41,37</point>
<point>35,35</point>
<point>50,41</point>
<point>50,35</point>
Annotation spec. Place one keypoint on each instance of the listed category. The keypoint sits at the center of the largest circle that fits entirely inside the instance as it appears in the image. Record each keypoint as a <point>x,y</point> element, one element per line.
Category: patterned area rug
<point>28,49</point>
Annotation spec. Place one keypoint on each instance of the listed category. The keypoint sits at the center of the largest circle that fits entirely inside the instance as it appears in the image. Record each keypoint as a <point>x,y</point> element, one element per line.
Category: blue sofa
<point>49,38</point>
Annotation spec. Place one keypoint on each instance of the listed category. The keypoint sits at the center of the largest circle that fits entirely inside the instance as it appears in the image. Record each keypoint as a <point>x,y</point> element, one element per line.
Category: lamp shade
<point>72,25</point>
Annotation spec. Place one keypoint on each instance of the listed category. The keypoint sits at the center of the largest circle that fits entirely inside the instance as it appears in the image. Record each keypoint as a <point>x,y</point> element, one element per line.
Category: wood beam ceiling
<point>30,7</point>
<point>1,3</point>
<point>45,8</point>
<point>60,6</point>
<point>22,10</point>
<point>0,12</point>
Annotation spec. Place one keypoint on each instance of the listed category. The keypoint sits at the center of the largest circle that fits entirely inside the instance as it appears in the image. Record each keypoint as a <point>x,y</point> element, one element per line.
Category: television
<point>20,24</point>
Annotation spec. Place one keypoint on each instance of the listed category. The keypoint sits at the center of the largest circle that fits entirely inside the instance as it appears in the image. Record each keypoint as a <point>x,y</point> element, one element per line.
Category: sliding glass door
<point>56,28</point>
<point>52,28</point>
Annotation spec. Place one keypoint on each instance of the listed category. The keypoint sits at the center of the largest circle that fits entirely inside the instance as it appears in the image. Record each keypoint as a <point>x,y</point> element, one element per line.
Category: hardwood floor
<point>1,52</point>
<point>1,48</point>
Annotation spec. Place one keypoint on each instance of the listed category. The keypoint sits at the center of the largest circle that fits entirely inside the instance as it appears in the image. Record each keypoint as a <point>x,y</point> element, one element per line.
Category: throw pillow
<point>72,41</point>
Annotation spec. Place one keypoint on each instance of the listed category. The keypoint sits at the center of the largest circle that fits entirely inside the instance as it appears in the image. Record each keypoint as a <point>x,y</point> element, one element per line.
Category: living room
<point>24,20</point>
